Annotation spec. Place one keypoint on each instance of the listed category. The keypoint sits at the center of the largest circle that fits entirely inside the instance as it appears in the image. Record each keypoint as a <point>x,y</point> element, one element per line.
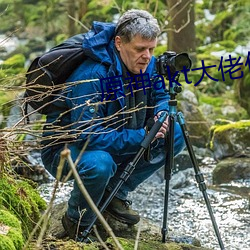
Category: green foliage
<point>240,125</point>
<point>221,132</point>
<point>5,97</point>
<point>214,101</point>
<point>13,66</point>
<point>160,50</point>
<point>229,22</point>
<point>16,61</point>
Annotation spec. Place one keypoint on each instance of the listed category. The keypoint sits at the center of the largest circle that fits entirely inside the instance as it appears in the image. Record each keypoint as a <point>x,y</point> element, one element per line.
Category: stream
<point>187,212</point>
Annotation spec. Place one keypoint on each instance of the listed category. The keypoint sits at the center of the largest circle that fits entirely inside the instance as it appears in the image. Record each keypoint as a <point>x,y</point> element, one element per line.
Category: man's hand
<point>164,128</point>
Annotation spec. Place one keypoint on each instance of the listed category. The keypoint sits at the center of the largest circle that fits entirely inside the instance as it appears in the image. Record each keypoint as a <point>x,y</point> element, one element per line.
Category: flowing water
<point>187,212</point>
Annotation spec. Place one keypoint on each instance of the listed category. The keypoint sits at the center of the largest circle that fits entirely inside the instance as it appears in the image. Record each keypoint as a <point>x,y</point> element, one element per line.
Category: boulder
<point>230,140</point>
<point>197,125</point>
<point>231,169</point>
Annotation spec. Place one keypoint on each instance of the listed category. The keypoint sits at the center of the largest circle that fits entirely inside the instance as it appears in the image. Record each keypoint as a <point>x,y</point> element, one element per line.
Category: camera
<point>175,62</point>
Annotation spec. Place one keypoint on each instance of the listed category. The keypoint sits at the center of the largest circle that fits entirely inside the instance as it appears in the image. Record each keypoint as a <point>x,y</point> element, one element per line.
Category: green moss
<point>6,243</point>
<point>235,125</point>
<point>9,219</point>
<point>16,237</point>
<point>22,200</point>
<point>128,244</point>
<point>13,239</point>
<point>222,121</point>
<point>242,90</point>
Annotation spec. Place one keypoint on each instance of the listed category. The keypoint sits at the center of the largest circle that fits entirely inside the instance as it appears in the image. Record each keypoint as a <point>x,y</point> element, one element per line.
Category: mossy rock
<point>11,237</point>
<point>128,244</point>
<point>22,200</point>
<point>220,105</point>
<point>232,139</point>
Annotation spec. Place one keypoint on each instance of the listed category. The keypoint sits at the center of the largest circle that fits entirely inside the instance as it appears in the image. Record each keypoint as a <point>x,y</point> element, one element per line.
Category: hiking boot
<point>75,231</point>
<point>121,211</point>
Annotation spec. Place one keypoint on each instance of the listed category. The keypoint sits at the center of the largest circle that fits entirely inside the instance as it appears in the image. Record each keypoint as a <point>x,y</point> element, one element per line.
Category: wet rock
<point>181,179</point>
<point>31,167</point>
<point>197,125</point>
<point>231,169</point>
<point>189,96</point>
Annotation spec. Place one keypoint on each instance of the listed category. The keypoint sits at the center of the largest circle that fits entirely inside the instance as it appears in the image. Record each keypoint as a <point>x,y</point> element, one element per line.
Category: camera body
<point>171,62</point>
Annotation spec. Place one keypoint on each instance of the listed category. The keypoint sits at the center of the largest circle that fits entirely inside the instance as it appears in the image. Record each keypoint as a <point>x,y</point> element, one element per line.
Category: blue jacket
<point>102,123</point>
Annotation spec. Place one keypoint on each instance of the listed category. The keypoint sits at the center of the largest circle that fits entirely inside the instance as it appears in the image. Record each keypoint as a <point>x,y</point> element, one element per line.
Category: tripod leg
<point>168,173</point>
<point>199,176</point>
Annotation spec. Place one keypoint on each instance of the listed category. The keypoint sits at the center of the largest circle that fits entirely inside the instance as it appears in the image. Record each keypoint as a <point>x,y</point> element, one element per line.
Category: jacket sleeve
<point>89,115</point>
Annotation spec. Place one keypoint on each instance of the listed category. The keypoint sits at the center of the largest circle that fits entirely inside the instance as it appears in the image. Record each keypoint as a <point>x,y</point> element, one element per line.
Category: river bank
<point>188,215</point>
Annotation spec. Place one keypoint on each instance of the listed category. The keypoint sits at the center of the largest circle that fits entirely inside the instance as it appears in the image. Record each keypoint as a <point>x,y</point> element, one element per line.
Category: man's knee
<point>97,165</point>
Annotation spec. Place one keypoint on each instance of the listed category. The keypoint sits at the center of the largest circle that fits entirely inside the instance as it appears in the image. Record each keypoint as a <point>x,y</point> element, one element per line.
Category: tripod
<point>168,164</point>
<point>173,90</point>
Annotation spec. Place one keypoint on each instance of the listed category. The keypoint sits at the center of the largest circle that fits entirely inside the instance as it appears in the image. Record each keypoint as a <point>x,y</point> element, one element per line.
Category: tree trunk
<point>181,34</point>
<point>83,7</point>
<point>72,13</point>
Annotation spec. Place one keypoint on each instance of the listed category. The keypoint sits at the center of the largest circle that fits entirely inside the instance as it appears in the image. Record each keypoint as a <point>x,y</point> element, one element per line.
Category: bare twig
<point>137,236</point>
<point>66,154</point>
<point>99,238</point>
<point>77,21</point>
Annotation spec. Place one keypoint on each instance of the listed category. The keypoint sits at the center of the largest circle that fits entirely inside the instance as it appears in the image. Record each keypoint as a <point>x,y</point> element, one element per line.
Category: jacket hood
<point>98,42</point>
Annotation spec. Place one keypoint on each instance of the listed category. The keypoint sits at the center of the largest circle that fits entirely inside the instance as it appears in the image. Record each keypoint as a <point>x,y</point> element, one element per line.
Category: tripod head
<point>170,64</point>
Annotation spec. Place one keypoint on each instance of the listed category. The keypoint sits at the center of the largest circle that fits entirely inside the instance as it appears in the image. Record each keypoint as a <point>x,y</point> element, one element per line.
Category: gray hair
<point>137,22</point>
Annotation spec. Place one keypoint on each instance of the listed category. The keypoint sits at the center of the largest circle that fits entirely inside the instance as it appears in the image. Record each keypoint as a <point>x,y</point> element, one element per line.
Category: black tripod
<point>169,64</point>
<point>169,163</point>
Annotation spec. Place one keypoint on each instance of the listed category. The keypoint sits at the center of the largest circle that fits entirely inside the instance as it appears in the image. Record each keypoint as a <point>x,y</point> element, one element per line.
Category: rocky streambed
<point>187,212</point>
